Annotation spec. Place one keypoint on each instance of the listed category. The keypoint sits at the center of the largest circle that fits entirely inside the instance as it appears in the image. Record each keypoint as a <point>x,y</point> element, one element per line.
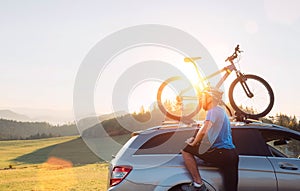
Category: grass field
<point>63,163</point>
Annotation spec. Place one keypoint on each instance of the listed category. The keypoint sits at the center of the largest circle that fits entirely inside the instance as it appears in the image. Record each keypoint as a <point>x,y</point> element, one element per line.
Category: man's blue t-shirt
<point>219,134</point>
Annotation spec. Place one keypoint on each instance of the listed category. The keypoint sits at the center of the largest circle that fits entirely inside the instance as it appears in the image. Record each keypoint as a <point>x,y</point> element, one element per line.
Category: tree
<point>286,121</point>
<point>142,110</point>
<point>293,123</point>
<point>282,120</point>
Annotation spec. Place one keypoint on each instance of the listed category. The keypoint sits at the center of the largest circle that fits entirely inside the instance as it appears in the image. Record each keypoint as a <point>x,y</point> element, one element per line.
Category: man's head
<point>211,97</point>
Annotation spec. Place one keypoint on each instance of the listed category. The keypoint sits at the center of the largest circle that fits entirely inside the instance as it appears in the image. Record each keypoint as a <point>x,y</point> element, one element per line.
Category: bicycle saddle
<point>191,59</point>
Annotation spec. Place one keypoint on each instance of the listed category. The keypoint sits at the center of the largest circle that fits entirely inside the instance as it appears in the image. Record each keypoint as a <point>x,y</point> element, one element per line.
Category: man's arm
<point>206,126</point>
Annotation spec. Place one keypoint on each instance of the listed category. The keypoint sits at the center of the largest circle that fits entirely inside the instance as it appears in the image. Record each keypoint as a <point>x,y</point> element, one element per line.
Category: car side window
<point>290,148</point>
<point>282,144</point>
<point>249,142</point>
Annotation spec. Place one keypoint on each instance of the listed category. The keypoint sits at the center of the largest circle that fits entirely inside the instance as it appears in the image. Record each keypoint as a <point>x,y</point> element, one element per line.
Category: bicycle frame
<point>228,69</point>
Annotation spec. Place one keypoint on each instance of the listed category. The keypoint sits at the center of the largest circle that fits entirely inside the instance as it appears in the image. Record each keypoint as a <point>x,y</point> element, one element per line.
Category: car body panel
<point>158,165</point>
<point>287,171</point>
<point>252,170</point>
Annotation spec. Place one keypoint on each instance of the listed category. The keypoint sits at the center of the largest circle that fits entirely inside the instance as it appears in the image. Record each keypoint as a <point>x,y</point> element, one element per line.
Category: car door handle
<point>288,166</point>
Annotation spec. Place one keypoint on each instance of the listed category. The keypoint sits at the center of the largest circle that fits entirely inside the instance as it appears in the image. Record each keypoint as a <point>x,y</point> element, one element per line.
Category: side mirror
<point>280,142</point>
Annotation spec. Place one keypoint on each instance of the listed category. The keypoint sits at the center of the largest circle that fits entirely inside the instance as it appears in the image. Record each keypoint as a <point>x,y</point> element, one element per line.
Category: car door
<point>287,172</point>
<point>285,147</point>
<point>255,170</point>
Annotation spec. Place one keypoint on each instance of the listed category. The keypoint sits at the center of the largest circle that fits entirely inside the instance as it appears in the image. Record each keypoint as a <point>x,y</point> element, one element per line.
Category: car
<point>151,159</point>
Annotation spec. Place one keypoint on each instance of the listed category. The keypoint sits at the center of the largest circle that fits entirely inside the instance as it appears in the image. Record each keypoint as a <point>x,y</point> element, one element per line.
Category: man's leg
<point>191,165</point>
<point>227,160</point>
<point>230,170</point>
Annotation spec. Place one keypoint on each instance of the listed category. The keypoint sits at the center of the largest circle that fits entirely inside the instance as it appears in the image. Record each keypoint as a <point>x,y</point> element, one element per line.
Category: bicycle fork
<point>242,80</point>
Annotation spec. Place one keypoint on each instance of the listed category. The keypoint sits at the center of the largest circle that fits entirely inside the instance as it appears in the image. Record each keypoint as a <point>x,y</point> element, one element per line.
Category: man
<point>220,151</point>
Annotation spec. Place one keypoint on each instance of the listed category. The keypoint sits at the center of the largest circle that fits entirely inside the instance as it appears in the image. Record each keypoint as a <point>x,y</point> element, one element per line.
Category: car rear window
<point>166,143</point>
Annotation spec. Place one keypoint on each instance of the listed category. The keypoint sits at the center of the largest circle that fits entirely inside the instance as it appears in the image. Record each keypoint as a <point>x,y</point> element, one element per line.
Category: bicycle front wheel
<point>178,99</point>
<point>251,96</point>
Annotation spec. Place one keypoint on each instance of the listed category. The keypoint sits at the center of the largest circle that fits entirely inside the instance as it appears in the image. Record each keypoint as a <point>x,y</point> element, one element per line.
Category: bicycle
<point>249,95</point>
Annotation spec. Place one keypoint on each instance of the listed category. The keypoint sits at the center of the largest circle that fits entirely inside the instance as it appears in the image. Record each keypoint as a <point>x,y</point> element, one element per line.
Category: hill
<point>125,124</point>
<point>8,114</point>
<point>10,129</point>
<point>53,116</point>
<point>89,122</point>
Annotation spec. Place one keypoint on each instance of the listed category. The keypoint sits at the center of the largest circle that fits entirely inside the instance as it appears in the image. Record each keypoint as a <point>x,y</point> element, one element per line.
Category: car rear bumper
<point>126,185</point>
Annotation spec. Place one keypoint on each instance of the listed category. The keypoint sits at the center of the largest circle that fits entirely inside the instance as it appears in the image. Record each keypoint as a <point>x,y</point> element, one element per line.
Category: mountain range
<point>37,115</point>
<point>8,114</point>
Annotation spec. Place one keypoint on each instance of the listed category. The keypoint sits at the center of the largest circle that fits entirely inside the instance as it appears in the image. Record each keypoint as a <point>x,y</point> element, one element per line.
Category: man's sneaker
<point>191,187</point>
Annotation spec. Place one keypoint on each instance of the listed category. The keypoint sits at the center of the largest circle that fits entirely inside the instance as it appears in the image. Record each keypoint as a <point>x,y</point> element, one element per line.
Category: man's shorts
<point>213,155</point>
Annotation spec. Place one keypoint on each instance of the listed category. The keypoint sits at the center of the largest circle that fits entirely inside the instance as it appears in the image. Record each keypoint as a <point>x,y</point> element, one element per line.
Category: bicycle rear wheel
<point>178,99</point>
<point>256,106</point>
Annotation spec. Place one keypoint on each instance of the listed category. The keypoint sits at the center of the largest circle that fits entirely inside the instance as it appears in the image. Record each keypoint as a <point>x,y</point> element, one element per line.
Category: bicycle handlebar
<point>235,54</point>
<point>237,48</point>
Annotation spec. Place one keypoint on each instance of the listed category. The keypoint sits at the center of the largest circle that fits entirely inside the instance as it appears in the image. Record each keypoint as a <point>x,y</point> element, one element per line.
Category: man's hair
<point>214,93</point>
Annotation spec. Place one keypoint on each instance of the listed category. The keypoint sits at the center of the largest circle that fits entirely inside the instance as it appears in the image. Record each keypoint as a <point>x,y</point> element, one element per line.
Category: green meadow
<point>63,163</point>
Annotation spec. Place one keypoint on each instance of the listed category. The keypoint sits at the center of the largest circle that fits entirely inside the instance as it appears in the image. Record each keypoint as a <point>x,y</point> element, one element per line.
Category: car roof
<point>170,126</point>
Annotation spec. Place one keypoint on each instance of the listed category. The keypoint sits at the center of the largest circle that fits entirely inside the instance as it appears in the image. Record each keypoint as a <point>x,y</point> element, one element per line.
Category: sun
<point>193,73</point>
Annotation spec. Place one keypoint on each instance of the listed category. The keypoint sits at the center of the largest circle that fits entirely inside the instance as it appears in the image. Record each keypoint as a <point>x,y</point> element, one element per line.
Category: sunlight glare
<point>143,93</point>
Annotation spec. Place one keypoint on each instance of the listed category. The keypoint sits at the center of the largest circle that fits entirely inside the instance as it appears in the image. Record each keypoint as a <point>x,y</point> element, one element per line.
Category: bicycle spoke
<point>256,106</point>
<point>178,99</point>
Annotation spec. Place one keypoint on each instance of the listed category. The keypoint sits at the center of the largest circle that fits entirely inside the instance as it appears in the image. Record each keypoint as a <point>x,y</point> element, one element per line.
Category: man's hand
<point>190,141</point>
<point>200,134</point>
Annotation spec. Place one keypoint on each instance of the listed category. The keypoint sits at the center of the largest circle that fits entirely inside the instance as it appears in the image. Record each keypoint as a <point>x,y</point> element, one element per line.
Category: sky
<point>43,45</point>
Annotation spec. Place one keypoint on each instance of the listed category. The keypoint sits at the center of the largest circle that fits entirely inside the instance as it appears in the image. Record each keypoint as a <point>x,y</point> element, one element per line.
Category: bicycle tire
<point>252,81</point>
<point>165,111</point>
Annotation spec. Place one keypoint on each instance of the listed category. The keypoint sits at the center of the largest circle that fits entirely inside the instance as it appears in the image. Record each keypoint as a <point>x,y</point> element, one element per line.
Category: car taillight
<point>118,174</point>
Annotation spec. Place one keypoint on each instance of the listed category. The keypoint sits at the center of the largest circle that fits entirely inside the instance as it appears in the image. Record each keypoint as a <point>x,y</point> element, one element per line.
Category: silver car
<point>151,160</point>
